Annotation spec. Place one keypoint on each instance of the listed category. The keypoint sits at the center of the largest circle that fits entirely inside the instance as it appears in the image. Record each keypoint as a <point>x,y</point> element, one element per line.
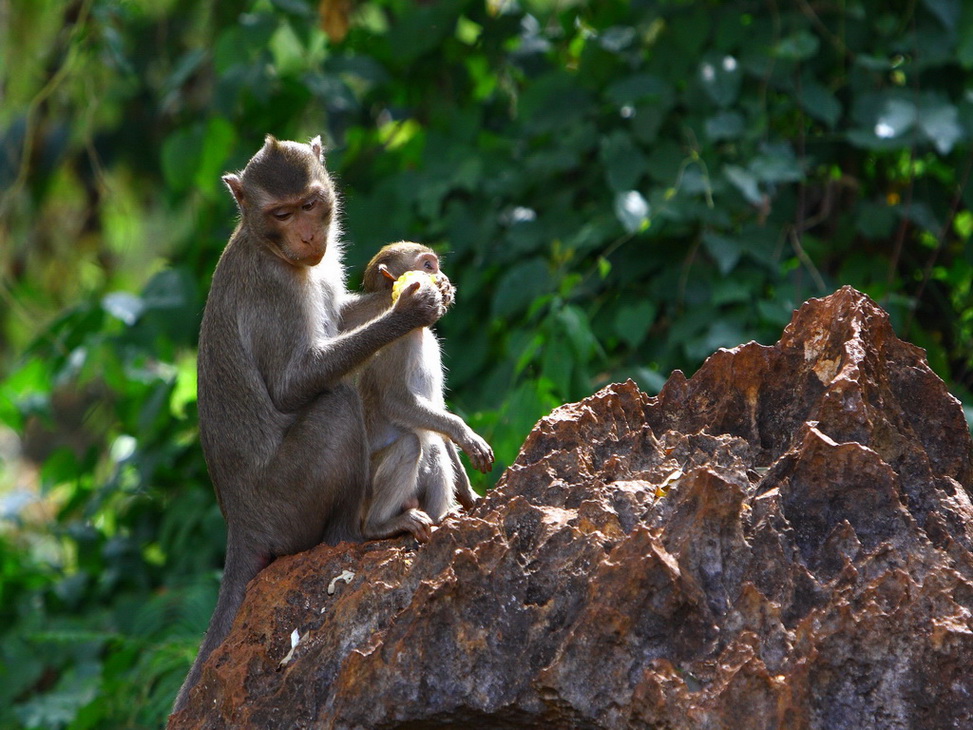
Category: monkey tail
<point>241,565</point>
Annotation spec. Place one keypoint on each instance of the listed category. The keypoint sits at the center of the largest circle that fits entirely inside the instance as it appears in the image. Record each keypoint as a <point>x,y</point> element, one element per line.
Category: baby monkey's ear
<point>317,147</point>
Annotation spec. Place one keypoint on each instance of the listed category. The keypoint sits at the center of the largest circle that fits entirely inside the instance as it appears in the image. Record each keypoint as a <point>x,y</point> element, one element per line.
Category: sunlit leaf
<point>617,38</point>
<point>939,122</point>
<point>632,211</point>
<point>744,181</point>
<point>896,118</point>
<point>218,141</point>
<point>124,306</point>
<point>721,77</point>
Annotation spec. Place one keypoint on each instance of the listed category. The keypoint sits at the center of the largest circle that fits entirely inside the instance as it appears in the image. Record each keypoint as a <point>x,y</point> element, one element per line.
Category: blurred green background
<point>619,188</point>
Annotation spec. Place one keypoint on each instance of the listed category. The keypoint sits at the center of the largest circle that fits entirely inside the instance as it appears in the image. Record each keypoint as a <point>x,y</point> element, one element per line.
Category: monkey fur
<point>281,426</point>
<point>417,477</point>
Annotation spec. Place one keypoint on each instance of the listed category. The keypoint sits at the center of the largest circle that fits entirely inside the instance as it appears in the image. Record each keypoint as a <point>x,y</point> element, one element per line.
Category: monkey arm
<point>410,411</point>
<point>357,309</point>
<point>321,366</point>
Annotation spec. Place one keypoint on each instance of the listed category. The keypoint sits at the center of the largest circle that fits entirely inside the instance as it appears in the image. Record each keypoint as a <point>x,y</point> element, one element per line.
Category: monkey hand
<point>423,304</point>
<point>446,288</point>
<point>479,451</point>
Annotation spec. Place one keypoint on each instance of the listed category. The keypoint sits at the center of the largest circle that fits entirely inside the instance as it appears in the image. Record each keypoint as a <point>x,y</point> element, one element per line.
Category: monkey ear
<point>235,184</point>
<point>318,148</point>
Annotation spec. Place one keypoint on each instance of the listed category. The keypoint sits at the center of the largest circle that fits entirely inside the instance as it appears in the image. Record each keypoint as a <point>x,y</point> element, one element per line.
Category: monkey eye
<point>281,215</point>
<point>428,265</point>
<point>309,205</point>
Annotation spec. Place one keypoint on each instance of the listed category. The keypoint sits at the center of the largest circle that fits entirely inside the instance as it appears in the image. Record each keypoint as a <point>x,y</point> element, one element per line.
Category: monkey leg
<point>394,483</point>
<point>461,482</point>
<point>412,521</point>
<point>436,477</point>
<point>316,486</point>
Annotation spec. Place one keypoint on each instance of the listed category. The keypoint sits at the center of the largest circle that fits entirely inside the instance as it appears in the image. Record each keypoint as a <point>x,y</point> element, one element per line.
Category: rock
<point>782,540</point>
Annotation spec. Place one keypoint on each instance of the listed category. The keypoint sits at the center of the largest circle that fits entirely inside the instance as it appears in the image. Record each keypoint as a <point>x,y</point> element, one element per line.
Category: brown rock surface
<point>783,540</point>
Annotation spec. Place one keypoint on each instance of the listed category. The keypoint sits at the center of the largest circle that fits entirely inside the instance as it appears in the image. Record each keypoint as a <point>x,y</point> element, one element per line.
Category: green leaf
<point>776,163</point>
<point>946,11</point>
<point>725,251</point>
<point>553,102</point>
<point>196,156</point>
<point>300,8</point>
<point>819,102</point>
<point>633,321</point>
<point>519,287</point>
<point>576,325</point>
<point>897,117</point>
<point>939,122</point>
<point>721,77</point>
<point>720,333</point>
<point>218,142</point>
<point>169,289</point>
<point>638,88</point>
<point>964,45</point>
<point>557,364</point>
<point>617,38</point>
<point>876,219</point>
<point>180,155</point>
<point>745,182</point>
<point>624,162</point>
<point>797,47</point>
<point>732,290</point>
<point>725,125</point>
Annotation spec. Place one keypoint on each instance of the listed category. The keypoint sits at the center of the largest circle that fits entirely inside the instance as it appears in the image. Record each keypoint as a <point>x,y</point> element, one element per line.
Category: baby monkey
<point>417,476</point>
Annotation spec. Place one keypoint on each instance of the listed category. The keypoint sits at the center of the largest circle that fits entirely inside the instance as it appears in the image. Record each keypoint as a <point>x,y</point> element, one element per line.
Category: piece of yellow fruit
<point>407,278</point>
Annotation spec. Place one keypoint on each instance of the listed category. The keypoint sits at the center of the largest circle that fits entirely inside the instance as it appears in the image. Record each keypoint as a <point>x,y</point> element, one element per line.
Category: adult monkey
<point>282,433</point>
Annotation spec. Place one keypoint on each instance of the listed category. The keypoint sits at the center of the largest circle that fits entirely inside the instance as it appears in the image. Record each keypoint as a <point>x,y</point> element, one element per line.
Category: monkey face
<point>395,259</point>
<point>287,200</point>
<point>299,227</point>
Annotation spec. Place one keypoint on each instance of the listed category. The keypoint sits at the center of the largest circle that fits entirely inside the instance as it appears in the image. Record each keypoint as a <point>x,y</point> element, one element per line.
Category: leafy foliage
<point>621,189</point>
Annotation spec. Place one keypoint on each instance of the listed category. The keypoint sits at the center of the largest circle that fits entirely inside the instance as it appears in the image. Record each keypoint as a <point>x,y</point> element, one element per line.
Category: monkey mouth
<point>309,256</point>
<point>312,257</point>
